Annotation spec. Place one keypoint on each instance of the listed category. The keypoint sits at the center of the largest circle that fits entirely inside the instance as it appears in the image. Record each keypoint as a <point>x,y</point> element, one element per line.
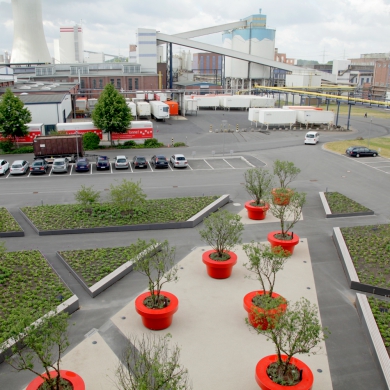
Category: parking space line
<point>245,160</point>
<point>71,169</point>
<point>208,164</point>
<point>131,169</point>
<point>190,166</point>
<point>228,163</point>
<point>111,167</point>
<point>151,167</point>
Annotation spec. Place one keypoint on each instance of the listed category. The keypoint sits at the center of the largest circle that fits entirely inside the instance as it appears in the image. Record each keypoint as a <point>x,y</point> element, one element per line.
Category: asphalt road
<point>351,363</point>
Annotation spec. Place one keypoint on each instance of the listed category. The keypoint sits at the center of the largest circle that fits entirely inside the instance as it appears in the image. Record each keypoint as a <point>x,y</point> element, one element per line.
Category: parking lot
<point>195,164</point>
<point>379,163</point>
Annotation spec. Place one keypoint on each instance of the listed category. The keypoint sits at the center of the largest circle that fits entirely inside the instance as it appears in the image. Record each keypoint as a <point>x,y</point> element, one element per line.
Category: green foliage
<point>381,312</point>
<point>341,204</point>
<point>288,214</point>
<point>45,340</point>
<point>150,363</point>
<point>297,330</point>
<point>178,144</point>
<point>13,116</point>
<point>128,195</point>
<point>111,113</point>
<point>130,143</point>
<point>152,143</point>
<point>286,171</point>
<point>22,150</point>
<point>91,141</point>
<point>264,263</point>
<point>222,232</point>
<point>87,196</point>
<point>7,146</point>
<point>159,267</point>
<point>8,222</point>
<point>258,184</point>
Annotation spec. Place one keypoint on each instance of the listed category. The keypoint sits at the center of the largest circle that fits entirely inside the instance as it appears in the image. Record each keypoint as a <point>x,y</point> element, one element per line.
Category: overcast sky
<point>311,29</point>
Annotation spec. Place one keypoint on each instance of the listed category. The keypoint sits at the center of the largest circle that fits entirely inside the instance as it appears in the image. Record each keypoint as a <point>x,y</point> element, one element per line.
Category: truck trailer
<point>50,147</point>
<point>159,109</point>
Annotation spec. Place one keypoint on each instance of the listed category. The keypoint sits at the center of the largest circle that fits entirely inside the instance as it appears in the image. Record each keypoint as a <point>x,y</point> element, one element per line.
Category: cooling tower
<point>29,40</point>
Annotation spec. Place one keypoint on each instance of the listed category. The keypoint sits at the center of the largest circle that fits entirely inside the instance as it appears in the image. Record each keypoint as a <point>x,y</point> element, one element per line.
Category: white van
<point>312,137</point>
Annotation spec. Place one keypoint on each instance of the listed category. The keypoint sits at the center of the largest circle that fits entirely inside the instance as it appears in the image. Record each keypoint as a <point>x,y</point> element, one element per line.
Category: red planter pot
<point>219,269</point>
<point>254,311</point>
<point>157,319</point>
<point>76,380</point>
<point>256,212</point>
<point>266,383</point>
<point>281,199</point>
<point>287,245</point>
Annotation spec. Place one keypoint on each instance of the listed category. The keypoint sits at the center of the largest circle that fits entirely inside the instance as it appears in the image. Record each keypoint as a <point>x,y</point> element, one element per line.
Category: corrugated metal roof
<point>42,98</point>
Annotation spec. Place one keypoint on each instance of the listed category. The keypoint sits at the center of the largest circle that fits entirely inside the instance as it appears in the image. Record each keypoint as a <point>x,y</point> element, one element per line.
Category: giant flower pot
<point>257,316</point>
<point>287,245</point>
<point>219,269</point>
<point>266,383</point>
<point>75,380</point>
<point>256,212</point>
<point>157,319</point>
<point>281,198</point>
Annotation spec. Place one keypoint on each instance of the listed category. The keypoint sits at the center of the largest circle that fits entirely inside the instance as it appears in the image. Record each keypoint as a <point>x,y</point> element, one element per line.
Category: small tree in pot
<point>264,263</point>
<point>297,330</point>
<point>286,172</point>
<point>258,184</point>
<point>222,232</point>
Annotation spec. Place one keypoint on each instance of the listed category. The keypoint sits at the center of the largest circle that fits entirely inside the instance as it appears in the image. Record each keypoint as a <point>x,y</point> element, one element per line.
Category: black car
<point>38,166</point>
<point>360,151</point>
<point>102,162</point>
<point>140,162</point>
<point>82,165</point>
<point>159,162</point>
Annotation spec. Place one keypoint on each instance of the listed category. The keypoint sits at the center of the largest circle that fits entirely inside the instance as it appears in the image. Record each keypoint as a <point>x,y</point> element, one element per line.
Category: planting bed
<point>8,225</point>
<point>105,215</point>
<point>27,282</point>
<point>339,205</point>
<point>369,248</point>
<point>381,312</point>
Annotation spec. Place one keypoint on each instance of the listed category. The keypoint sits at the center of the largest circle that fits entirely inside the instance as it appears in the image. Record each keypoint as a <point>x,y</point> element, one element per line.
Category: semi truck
<point>50,147</point>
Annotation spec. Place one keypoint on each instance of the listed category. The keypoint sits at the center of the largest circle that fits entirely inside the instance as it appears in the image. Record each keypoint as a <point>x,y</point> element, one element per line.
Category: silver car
<point>179,161</point>
<point>121,162</point>
<point>60,165</point>
<point>19,167</point>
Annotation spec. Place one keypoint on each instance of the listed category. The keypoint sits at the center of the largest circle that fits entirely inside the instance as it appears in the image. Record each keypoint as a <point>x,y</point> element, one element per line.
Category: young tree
<point>91,141</point>
<point>86,196</point>
<point>127,195</point>
<point>286,171</point>
<point>45,340</point>
<point>13,116</point>
<point>258,184</point>
<point>111,113</point>
<point>150,363</point>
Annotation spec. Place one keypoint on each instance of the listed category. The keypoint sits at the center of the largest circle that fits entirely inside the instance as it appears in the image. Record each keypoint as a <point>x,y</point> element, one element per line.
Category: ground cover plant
<point>27,283</point>
<point>74,216</point>
<point>381,311</point>
<point>8,222</point>
<point>375,143</point>
<point>341,204</point>
<point>93,265</point>
<point>369,247</point>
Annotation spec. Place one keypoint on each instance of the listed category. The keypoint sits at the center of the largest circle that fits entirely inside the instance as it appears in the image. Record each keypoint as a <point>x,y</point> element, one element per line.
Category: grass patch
<point>27,282</point>
<point>369,247</point>
<point>59,217</point>
<point>341,204</point>
<point>93,265</point>
<point>358,110</point>
<point>381,311</point>
<point>375,143</point>
<point>8,222</point>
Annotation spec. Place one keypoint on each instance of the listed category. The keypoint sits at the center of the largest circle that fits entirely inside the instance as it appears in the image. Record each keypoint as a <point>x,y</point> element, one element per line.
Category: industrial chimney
<point>29,39</point>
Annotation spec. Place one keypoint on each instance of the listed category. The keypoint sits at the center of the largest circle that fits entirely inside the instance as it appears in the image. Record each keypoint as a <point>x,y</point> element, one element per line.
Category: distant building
<point>381,79</point>
<point>69,49</point>
<point>282,57</point>
<point>206,63</point>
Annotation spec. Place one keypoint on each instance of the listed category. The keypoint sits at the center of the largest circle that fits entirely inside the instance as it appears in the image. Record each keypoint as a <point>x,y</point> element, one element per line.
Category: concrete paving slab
<point>268,219</point>
<point>217,347</point>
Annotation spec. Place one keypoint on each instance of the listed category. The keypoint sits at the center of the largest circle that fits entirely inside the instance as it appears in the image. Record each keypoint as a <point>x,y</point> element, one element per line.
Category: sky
<point>311,30</point>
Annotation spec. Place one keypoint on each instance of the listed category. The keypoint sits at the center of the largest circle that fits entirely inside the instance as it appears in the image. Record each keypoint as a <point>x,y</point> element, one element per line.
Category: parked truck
<point>159,110</point>
<point>50,147</point>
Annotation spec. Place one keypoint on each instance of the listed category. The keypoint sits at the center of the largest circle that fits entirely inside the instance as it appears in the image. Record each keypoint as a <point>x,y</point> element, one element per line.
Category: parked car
<point>121,162</point>
<point>19,167</point>
<point>102,162</point>
<point>179,161</point>
<point>140,162</point>
<point>360,151</point>
<point>82,165</point>
<point>39,166</point>
<point>159,161</point>
<point>312,137</point>
<point>60,165</point>
<point>4,166</point>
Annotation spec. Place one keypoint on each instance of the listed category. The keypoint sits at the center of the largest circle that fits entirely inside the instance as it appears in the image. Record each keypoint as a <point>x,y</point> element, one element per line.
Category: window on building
<point>213,62</point>
<point>130,84</point>
<point>136,84</point>
<point>118,83</point>
<point>362,81</point>
<point>112,81</point>
<point>101,83</point>
<point>368,80</point>
<point>82,86</point>
<point>94,84</point>
<point>207,62</point>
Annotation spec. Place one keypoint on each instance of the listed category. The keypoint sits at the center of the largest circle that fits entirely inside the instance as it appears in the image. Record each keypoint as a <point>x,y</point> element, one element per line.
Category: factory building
<point>69,49</point>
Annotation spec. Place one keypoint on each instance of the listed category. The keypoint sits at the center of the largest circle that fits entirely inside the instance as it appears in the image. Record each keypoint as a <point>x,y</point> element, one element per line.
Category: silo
<point>29,39</point>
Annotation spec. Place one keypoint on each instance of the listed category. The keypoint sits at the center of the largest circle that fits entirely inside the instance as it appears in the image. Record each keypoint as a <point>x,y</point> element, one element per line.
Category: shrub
<point>6,146</point>
<point>152,143</point>
<point>87,196</point>
<point>90,141</point>
<point>178,144</point>
<point>130,143</point>
<point>127,195</point>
